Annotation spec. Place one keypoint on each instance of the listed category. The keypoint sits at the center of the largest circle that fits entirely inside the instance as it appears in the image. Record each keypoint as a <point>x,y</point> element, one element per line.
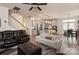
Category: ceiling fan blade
<point>39,8</point>
<point>31,8</point>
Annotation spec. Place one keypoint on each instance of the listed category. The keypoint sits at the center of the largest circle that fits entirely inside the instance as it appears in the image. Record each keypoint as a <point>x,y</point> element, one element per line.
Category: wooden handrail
<point>18,21</point>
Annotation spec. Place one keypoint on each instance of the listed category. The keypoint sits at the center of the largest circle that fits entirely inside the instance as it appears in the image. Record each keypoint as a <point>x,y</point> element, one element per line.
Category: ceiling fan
<point>36,4</point>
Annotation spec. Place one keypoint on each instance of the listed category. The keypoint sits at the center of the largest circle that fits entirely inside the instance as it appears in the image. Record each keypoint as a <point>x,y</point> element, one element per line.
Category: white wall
<point>4,17</point>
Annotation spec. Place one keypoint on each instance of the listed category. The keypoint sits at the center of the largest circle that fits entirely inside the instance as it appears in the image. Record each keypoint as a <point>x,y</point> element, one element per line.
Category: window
<point>68,24</point>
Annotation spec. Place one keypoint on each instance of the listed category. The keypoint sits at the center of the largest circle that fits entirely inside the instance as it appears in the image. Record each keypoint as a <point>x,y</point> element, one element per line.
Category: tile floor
<point>69,46</point>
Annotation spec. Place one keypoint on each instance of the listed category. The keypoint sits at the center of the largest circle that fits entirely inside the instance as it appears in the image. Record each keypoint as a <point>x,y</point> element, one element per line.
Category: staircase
<point>16,24</point>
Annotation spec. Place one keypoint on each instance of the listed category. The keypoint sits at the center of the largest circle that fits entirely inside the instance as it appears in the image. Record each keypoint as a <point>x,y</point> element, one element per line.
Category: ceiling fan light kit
<point>35,8</point>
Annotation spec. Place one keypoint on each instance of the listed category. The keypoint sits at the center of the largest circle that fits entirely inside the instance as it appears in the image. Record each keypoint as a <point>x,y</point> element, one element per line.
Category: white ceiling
<point>54,10</point>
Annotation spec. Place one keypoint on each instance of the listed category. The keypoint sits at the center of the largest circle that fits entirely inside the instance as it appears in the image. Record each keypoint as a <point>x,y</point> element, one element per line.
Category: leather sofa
<point>11,38</point>
<point>21,36</point>
<point>1,39</point>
